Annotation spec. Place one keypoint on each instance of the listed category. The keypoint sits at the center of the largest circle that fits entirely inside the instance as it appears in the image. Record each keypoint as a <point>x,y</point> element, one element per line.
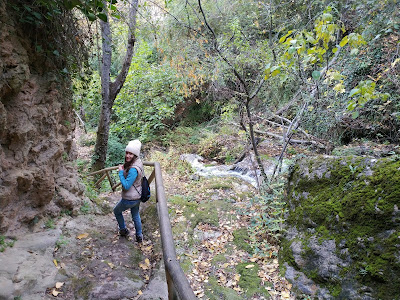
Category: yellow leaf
<point>253,259</point>
<point>147,261</point>
<point>111,265</point>
<point>285,294</point>
<point>249,266</point>
<point>59,285</point>
<point>82,236</point>
<point>140,292</point>
<point>55,262</point>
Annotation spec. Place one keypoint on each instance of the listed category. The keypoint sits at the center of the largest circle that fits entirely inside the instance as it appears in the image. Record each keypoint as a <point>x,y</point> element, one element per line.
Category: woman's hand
<point>120,167</point>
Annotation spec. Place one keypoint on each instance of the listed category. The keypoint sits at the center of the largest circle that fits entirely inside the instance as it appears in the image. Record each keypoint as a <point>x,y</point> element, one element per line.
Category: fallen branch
<point>295,141</point>
<point>284,126</point>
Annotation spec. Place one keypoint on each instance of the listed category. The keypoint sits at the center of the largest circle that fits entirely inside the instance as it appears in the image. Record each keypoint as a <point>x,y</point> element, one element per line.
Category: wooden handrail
<point>178,284</point>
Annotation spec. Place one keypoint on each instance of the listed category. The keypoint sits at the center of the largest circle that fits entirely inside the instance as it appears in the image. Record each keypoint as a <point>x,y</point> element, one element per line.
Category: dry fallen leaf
<point>249,266</point>
<point>59,285</point>
<point>253,259</point>
<point>82,236</point>
<point>285,294</point>
<point>140,292</point>
<point>111,265</point>
<point>55,293</point>
<point>55,262</point>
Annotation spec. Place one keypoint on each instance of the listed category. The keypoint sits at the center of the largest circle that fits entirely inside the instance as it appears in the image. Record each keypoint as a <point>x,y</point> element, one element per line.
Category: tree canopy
<point>333,65</point>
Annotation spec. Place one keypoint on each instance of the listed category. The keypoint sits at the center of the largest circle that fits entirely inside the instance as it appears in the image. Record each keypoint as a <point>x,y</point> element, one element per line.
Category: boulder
<point>342,237</point>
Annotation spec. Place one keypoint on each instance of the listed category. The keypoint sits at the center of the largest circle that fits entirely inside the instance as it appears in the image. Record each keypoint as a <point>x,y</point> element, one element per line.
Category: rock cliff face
<point>37,178</point>
<point>343,228</point>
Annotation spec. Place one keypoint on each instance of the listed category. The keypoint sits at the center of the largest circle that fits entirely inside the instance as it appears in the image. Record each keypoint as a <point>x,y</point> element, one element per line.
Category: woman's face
<point>128,156</point>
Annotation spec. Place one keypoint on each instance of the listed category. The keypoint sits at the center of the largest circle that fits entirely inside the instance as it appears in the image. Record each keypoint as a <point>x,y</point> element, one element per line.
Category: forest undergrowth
<point>226,233</point>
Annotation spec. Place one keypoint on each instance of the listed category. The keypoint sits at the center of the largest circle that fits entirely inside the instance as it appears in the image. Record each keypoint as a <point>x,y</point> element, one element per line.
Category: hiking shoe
<point>123,232</point>
<point>139,238</point>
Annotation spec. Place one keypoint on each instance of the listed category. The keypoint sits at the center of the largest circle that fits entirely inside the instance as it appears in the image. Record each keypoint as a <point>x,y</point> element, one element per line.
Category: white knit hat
<point>134,147</point>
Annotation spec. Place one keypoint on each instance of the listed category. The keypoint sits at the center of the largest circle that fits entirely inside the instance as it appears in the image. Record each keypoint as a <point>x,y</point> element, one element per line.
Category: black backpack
<point>145,189</point>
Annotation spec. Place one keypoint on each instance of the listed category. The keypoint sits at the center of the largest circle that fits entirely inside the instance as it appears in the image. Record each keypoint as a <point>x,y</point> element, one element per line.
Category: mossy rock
<point>345,211</point>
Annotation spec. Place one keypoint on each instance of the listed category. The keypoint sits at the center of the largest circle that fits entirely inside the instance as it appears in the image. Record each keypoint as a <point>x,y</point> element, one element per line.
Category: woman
<point>130,174</point>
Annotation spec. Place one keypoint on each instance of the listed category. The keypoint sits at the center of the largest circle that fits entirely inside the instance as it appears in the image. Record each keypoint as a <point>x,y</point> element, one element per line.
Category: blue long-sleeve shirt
<point>129,180</point>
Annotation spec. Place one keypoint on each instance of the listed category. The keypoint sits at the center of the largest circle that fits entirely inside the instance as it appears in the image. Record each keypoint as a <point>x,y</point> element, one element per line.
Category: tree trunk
<point>110,90</point>
<point>254,143</point>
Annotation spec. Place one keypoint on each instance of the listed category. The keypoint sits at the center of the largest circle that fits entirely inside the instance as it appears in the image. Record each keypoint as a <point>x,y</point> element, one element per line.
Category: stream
<point>243,170</point>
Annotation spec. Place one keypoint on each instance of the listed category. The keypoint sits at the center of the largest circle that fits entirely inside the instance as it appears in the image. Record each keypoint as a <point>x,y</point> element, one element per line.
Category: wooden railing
<point>178,284</point>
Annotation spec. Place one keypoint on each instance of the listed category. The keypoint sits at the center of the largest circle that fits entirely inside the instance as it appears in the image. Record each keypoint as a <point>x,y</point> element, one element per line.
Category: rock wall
<point>343,228</point>
<point>37,178</point>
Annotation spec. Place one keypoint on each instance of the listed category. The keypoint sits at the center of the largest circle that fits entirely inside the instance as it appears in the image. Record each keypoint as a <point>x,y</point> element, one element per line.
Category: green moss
<point>350,200</point>
<point>336,290</point>
<point>220,258</point>
<point>219,185</point>
<point>135,257</point>
<point>204,212</point>
<point>186,265</point>
<point>241,240</point>
<point>82,287</point>
<point>214,291</point>
<point>249,280</point>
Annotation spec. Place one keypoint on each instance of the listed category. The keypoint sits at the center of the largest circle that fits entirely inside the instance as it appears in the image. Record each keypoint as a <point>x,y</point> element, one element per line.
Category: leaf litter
<point>214,254</point>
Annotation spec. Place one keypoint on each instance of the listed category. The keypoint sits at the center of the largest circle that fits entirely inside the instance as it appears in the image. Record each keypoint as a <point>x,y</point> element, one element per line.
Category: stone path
<point>84,258</point>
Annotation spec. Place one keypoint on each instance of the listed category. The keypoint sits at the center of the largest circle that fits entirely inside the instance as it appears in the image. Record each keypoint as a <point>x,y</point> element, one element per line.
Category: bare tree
<point>109,89</point>
<point>243,92</point>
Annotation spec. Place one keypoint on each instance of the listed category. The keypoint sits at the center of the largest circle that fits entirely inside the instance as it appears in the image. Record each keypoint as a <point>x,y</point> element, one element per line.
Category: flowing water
<point>243,170</point>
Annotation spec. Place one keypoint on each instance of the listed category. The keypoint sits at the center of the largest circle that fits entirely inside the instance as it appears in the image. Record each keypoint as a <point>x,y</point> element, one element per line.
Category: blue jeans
<point>134,206</point>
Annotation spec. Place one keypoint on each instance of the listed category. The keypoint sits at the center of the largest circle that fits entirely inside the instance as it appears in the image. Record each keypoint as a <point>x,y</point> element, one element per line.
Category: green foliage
<point>90,189</point>
<point>49,224</point>
<point>364,92</point>
<point>5,243</point>
<point>269,216</point>
<point>115,151</point>
<point>85,208</point>
<point>62,242</point>
<point>94,9</point>
<point>172,163</point>
<point>87,97</point>
<point>54,31</point>
<point>148,99</point>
